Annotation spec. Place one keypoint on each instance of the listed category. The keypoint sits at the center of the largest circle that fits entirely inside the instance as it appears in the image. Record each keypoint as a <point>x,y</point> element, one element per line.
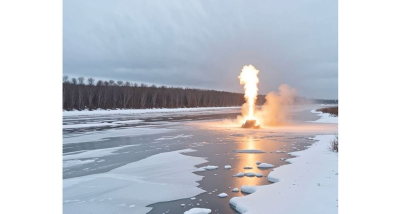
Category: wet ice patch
<point>249,151</point>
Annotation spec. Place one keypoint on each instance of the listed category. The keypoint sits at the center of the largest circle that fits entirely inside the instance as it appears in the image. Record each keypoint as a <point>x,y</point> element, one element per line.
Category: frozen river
<point>153,162</point>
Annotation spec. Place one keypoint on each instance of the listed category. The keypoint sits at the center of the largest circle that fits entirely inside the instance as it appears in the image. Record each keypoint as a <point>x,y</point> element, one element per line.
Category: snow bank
<point>198,211</point>
<point>87,125</point>
<point>139,111</point>
<point>162,177</point>
<point>308,185</point>
<point>325,117</point>
<point>248,189</point>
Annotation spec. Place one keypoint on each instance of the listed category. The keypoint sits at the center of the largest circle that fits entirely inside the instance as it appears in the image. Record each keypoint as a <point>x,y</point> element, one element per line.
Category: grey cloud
<point>204,44</point>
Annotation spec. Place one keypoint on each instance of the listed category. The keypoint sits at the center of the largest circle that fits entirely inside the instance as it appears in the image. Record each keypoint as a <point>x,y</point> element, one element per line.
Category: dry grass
<point>334,147</point>
<point>334,111</point>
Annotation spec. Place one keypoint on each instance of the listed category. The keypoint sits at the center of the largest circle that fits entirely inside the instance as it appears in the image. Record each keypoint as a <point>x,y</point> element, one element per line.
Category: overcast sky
<point>205,43</point>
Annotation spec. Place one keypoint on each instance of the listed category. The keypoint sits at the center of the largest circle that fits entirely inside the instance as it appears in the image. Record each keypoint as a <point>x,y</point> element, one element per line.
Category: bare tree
<point>143,98</point>
<point>81,80</point>
<point>74,81</point>
<point>115,98</point>
<point>90,81</point>
<point>72,98</point>
<point>99,96</point>
<point>65,79</point>
<point>81,98</point>
<point>126,96</point>
<point>90,95</point>
<point>154,94</point>
<point>120,83</point>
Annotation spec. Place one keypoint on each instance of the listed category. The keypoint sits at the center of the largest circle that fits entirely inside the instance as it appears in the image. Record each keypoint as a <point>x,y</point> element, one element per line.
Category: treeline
<point>80,94</point>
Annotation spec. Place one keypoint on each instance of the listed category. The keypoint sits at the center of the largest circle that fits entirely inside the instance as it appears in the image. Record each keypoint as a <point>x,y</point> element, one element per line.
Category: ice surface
<point>248,189</point>
<point>174,137</point>
<point>250,174</point>
<point>72,163</point>
<point>228,167</point>
<point>162,177</point>
<point>265,165</point>
<point>210,167</point>
<point>198,211</point>
<point>325,117</point>
<point>308,185</point>
<point>240,174</point>
<point>259,175</point>
<point>87,125</point>
<point>94,153</point>
<point>223,195</point>
<point>106,134</point>
<point>235,190</point>
<point>128,122</point>
<point>249,151</point>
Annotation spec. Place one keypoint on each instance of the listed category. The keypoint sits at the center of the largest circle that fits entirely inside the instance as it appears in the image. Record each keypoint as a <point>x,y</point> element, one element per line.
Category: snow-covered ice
<point>248,189</point>
<point>106,134</point>
<point>228,167</point>
<point>197,210</point>
<point>94,153</point>
<point>209,167</point>
<point>240,174</point>
<point>162,177</point>
<point>174,137</point>
<point>87,125</point>
<point>250,174</point>
<point>235,190</point>
<point>308,185</point>
<point>265,165</point>
<point>223,195</point>
<point>325,117</point>
<point>259,175</point>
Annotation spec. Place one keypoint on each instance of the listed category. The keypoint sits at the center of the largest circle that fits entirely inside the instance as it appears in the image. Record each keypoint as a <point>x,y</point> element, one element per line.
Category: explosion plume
<point>248,77</point>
